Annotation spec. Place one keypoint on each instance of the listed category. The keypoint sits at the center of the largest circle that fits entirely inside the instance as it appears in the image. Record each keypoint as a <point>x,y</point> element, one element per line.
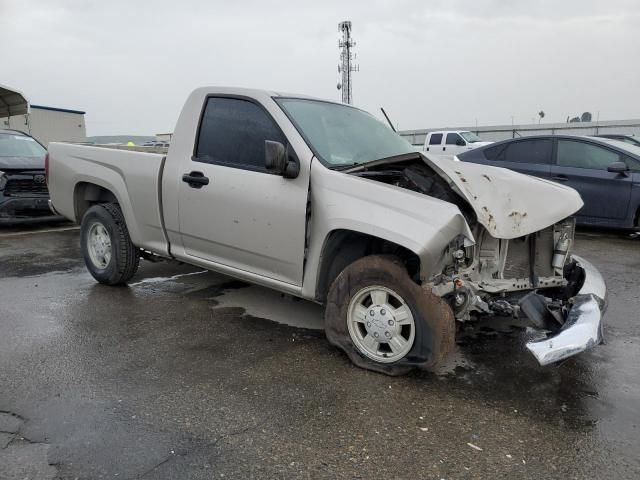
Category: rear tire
<point>403,326</point>
<point>110,256</point>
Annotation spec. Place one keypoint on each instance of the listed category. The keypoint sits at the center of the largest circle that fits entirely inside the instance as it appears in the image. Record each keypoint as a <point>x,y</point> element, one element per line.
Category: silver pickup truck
<point>322,201</point>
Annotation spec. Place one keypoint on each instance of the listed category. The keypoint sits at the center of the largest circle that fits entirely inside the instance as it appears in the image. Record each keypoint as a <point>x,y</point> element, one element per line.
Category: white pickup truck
<point>451,142</point>
<point>321,201</point>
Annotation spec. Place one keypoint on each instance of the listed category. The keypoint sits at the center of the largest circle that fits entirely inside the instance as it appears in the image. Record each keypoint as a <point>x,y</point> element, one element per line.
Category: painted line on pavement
<point>33,232</point>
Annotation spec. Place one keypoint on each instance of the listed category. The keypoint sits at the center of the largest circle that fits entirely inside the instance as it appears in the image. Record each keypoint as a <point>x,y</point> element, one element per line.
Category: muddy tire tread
<point>127,256</point>
<point>435,322</point>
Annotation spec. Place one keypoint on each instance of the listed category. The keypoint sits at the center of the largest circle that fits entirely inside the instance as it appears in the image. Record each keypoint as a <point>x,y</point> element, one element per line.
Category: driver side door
<point>242,216</point>
<point>454,144</point>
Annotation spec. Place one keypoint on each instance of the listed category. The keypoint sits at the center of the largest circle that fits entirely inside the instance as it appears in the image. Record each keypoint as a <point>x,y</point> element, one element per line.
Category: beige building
<point>46,124</point>
<point>49,124</point>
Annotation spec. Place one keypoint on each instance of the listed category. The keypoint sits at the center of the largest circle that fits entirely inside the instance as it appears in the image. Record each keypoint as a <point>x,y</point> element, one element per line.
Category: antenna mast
<point>346,67</point>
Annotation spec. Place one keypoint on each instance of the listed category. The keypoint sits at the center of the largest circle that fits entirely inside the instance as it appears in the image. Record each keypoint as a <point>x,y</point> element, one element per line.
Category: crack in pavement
<point>238,432</point>
<point>210,445</point>
<point>162,462</point>
<point>21,457</point>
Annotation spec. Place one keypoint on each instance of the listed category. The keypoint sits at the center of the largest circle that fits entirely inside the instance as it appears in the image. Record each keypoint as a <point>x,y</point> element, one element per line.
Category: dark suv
<point>23,185</point>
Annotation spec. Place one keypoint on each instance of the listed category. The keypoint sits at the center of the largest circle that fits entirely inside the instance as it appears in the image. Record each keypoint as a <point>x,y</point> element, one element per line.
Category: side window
<point>436,139</point>
<point>584,155</point>
<point>454,139</point>
<point>233,132</point>
<point>495,153</point>
<point>529,151</point>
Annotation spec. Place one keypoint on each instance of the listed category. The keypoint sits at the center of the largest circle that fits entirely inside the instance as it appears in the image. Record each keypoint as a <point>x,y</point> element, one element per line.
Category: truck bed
<point>133,177</point>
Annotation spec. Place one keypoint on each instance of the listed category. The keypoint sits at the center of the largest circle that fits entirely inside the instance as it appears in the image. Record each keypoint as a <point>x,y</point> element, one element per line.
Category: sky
<point>429,63</point>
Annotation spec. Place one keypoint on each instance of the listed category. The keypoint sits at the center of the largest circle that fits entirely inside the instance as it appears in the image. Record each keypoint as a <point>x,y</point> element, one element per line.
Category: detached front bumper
<point>583,326</point>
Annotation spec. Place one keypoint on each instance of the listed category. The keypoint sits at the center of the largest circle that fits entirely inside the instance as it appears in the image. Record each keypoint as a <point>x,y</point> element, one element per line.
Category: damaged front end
<point>533,277</point>
<point>519,262</point>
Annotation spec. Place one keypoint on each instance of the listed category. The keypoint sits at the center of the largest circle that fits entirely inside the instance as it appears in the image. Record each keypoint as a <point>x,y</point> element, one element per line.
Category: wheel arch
<point>87,194</point>
<point>342,247</point>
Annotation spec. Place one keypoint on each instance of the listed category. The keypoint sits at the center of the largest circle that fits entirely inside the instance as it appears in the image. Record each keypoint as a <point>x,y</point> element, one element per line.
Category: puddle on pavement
<point>264,303</point>
<point>165,279</point>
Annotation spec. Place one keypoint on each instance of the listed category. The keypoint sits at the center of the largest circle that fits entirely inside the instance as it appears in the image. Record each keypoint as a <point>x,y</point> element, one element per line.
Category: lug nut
<point>387,334</point>
<point>372,313</point>
<point>368,324</point>
<point>375,334</point>
<point>383,311</point>
<point>391,322</point>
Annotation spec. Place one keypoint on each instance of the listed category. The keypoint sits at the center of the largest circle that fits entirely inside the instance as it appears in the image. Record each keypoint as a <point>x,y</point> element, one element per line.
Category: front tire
<point>110,256</point>
<point>384,321</point>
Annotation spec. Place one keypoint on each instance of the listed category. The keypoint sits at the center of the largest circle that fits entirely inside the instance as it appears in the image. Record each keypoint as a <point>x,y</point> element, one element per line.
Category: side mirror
<point>281,160</point>
<point>461,143</point>
<point>618,167</point>
<point>275,156</point>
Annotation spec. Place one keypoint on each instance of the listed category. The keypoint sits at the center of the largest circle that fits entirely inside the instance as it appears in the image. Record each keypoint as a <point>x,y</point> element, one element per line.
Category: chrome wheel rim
<point>99,245</point>
<point>381,324</point>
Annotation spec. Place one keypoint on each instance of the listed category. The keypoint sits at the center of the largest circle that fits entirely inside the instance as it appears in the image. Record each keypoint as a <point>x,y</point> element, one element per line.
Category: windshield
<point>621,144</point>
<point>12,145</point>
<point>470,137</point>
<point>341,135</point>
<point>631,141</point>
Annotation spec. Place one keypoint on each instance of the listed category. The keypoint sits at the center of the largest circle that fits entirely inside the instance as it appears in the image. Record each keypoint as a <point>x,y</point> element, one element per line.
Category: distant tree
<point>586,117</point>
<point>541,115</point>
<point>575,120</point>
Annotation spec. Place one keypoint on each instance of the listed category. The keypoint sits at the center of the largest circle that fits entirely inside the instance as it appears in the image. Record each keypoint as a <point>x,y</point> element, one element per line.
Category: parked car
<point>630,139</point>
<point>322,201</point>
<point>23,187</point>
<point>605,172</point>
<point>451,142</point>
<point>156,143</point>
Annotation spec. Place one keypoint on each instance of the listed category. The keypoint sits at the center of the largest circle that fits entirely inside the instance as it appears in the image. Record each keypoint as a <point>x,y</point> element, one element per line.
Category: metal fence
<point>503,132</point>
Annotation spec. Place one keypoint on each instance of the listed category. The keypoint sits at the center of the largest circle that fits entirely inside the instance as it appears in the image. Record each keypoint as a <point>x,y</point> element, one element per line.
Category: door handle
<point>195,179</point>
<point>560,178</point>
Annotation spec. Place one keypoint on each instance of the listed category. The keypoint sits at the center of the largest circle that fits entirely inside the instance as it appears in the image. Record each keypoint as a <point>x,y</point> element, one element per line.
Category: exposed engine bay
<point>531,274</point>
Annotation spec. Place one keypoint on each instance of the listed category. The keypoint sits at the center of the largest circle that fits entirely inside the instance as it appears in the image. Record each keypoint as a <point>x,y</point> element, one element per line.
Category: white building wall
<point>49,125</point>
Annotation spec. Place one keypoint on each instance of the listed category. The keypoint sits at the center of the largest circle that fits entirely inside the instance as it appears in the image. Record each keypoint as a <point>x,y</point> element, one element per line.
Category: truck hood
<point>22,163</point>
<point>508,204</point>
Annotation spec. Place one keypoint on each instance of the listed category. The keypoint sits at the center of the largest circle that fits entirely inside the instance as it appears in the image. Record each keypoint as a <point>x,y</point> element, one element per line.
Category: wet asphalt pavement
<point>189,374</point>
